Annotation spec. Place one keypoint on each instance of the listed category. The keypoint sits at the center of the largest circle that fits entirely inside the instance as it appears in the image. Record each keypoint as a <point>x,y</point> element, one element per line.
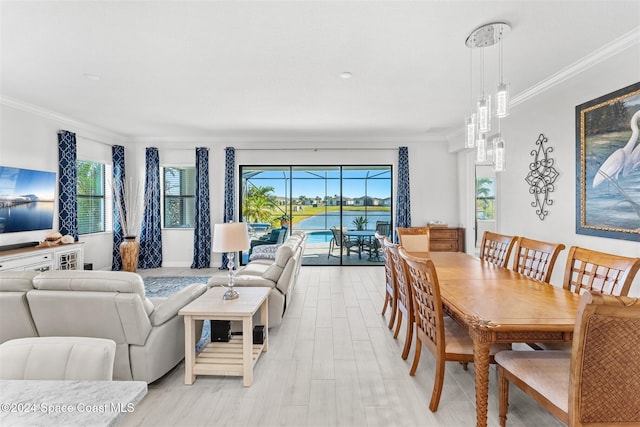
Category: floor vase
<point>129,249</point>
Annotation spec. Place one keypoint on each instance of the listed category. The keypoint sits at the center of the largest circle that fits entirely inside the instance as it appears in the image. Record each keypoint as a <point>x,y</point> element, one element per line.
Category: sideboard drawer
<point>443,246</point>
<point>446,239</point>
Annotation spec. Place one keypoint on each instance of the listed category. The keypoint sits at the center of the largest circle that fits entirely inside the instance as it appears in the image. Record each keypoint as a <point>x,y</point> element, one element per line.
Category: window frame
<point>182,197</point>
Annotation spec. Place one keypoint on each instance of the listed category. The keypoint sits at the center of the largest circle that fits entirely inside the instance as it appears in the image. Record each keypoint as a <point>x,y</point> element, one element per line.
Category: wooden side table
<point>236,357</point>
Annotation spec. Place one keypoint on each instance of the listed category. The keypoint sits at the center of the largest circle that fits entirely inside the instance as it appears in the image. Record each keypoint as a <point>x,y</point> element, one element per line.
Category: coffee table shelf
<point>224,358</point>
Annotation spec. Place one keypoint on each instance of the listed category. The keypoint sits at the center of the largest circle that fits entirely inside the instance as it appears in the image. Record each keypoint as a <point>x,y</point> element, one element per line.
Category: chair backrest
<point>401,275</point>
<point>427,303</point>
<point>383,228</point>
<point>535,258</point>
<point>599,272</point>
<point>57,358</point>
<point>389,269</point>
<point>496,248</point>
<point>337,236</point>
<point>414,239</point>
<point>605,362</point>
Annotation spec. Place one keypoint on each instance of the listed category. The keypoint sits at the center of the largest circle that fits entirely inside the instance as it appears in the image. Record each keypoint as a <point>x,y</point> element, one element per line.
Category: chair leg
<point>387,302</point>
<point>465,365</point>
<point>395,334</point>
<point>437,385</point>
<point>416,357</point>
<point>408,338</point>
<point>503,397</point>
<point>394,311</point>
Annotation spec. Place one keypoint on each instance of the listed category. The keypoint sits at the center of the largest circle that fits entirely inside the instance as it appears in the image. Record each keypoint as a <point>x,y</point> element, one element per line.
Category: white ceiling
<point>264,69</point>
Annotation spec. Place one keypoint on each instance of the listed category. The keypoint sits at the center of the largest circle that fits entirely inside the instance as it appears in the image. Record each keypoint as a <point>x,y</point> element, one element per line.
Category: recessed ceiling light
<point>91,76</point>
<point>346,75</point>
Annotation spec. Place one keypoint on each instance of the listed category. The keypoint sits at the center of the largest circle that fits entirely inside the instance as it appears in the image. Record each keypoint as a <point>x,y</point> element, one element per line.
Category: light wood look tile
<point>332,315</point>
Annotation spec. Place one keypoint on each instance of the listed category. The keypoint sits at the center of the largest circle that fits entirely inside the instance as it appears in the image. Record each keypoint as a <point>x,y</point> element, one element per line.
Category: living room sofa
<point>148,332</point>
<point>273,266</point>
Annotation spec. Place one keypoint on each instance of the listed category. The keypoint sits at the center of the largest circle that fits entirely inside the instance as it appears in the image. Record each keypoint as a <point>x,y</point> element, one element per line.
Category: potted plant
<point>285,221</point>
<point>360,222</point>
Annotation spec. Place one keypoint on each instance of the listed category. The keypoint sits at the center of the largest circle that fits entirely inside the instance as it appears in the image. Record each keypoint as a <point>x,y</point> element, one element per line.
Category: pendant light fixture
<point>482,37</point>
<point>470,121</point>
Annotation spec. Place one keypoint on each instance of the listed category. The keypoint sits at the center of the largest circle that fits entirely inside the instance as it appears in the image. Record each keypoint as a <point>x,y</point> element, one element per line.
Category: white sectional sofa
<point>273,266</point>
<point>148,333</point>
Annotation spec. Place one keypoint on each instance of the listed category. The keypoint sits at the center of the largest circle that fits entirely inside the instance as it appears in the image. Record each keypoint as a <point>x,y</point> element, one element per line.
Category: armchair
<point>276,237</point>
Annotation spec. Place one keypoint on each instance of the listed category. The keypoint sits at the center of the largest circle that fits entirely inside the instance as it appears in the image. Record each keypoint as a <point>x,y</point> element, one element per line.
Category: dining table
<point>361,236</point>
<point>499,305</point>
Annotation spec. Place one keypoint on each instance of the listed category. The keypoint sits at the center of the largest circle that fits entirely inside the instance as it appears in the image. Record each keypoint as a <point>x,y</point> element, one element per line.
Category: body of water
<point>332,219</point>
<point>26,217</point>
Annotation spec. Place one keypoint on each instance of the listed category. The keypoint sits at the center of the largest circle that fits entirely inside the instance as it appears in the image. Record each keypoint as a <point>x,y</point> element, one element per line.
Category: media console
<point>60,257</point>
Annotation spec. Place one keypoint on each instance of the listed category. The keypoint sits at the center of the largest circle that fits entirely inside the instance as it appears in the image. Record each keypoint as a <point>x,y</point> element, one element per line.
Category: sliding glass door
<point>339,207</point>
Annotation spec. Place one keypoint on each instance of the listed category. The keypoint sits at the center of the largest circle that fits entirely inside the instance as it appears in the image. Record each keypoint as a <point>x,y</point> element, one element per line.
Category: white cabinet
<point>63,257</point>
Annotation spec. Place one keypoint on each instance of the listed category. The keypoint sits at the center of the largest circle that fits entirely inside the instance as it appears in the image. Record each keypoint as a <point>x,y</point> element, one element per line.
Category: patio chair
<point>341,241</point>
<point>276,237</point>
<point>374,246</point>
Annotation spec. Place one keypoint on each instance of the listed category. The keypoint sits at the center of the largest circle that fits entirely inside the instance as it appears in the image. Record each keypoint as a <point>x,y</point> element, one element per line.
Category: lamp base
<point>230,294</point>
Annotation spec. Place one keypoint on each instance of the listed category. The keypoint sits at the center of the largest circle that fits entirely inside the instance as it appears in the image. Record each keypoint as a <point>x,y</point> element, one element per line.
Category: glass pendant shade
<point>498,154</point>
<point>481,149</point>
<point>470,130</point>
<point>484,114</point>
<point>502,101</point>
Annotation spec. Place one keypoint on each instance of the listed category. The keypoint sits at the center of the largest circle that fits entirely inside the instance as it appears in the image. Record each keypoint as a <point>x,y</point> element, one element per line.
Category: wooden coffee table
<point>233,358</point>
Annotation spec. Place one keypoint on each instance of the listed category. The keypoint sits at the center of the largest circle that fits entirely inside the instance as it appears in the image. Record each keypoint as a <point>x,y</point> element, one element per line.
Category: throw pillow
<point>264,252</point>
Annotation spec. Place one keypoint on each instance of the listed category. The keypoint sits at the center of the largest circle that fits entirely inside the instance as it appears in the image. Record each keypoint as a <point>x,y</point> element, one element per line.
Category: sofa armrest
<point>170,307</point>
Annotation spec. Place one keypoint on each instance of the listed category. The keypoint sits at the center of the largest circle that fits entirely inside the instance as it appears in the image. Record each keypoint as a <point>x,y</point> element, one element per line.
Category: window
<point>179,196</point>
<point>316,199</point>
<point>91,197</point>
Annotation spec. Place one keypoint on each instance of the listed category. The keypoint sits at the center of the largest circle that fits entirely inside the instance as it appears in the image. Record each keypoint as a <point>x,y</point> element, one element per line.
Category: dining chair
<point>535,258</point>
<point>404,305</point>
<point>496,248</point>
<point>598,383</point>
<point>600,272</point>
<point>390,295</point>
<point>414,239</point>
<point>339,240</point>
<point>442,336</point>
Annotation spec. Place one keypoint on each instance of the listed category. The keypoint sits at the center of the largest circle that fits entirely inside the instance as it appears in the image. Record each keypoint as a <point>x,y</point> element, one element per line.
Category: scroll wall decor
<point>541,177</point>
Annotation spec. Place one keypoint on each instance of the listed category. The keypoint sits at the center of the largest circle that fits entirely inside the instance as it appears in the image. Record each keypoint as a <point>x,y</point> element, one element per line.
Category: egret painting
<point>608,165</point>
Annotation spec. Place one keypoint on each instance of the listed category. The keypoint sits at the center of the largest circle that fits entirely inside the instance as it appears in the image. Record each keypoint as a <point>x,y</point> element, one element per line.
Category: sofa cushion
<point>17,281</point>
<point>97,281</point>
<point>273,272</point>
<point>283,254</point>
<point>169,307</point>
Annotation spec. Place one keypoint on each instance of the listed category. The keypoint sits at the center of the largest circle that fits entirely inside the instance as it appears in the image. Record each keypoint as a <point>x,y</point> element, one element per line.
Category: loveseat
<point>273,266</point>
<point>148,332</point>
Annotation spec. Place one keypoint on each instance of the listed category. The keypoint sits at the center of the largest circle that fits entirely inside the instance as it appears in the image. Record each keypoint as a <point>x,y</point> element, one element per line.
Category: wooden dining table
<point>499,305</point>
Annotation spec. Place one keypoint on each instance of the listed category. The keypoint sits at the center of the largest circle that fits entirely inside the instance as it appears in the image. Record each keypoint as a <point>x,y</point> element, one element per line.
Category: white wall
<point>30,140</point>
<point>553,113</point>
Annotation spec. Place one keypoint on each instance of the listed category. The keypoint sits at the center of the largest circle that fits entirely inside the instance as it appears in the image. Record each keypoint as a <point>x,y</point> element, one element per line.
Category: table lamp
<point>230,237</point>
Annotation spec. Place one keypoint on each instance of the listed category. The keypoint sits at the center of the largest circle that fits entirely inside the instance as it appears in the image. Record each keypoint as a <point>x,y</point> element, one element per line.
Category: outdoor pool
<point>318,236</point>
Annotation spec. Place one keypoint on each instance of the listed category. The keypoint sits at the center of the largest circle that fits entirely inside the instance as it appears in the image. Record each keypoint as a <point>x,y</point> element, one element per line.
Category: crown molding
<point>53,116</point>
<point>610,49</point>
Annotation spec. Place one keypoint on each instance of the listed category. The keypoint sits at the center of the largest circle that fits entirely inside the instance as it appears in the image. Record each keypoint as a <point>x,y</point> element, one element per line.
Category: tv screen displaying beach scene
<point>27,199</point>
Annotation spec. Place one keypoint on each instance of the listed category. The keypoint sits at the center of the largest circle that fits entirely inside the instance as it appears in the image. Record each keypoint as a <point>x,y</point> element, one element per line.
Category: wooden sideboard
<point>446,239</point>
<point>61,257</point>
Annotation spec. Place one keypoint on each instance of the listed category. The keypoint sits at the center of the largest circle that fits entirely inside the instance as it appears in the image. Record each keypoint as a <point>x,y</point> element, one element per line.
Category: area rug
<point>167,286</point>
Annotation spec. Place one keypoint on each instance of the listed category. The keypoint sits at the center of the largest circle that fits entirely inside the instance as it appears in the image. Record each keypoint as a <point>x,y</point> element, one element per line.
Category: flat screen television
<point>26,199</point>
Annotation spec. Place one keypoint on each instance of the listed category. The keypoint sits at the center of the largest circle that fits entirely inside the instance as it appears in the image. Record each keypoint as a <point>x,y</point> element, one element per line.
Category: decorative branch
<point>541,177</point>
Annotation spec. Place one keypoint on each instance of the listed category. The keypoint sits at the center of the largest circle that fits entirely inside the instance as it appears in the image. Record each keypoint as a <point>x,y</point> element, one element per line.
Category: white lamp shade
<point>230,237</point>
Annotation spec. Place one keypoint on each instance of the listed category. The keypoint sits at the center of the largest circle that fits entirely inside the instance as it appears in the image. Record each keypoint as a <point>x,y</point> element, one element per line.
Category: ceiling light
<point>346,75</point>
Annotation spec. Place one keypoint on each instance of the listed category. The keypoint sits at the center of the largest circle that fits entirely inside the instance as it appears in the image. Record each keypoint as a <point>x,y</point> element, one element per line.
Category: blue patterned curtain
<point>229,192</point>
<point>117,156</point>
<point>67,184</point>
<point>151,235</point>
<point>202,230</point>
<point>403,203</point>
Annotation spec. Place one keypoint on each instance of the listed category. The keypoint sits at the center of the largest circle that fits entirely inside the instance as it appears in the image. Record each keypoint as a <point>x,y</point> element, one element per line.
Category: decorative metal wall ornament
<point>541,177</point>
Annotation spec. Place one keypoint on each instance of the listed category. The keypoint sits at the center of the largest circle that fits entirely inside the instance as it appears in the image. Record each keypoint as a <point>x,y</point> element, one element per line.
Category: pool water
<point>320,236</point>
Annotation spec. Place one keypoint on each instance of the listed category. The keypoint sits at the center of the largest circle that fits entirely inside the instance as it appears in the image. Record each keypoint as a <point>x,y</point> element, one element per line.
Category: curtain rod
<point>317,149</point>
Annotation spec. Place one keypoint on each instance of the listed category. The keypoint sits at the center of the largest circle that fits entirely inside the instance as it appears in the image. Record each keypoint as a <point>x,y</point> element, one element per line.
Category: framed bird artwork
<point>608,165</point>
